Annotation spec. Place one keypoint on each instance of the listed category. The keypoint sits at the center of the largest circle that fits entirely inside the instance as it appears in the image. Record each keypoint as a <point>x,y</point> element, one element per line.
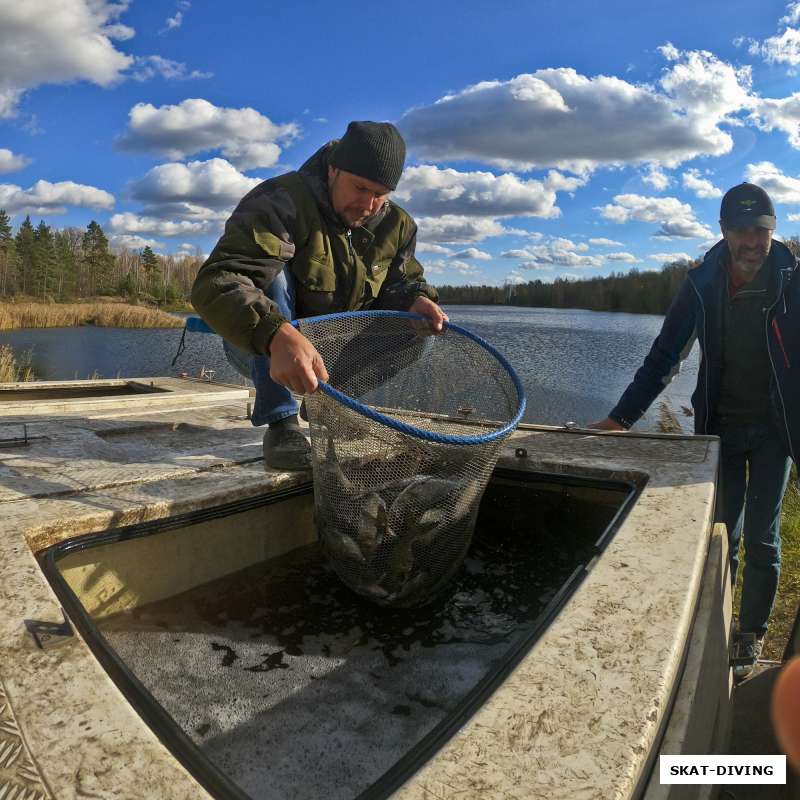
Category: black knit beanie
<point>372,150</point>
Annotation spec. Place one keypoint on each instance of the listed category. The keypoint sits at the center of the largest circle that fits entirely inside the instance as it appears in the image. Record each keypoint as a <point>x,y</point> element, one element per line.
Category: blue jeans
<point>754,471</point>
<point>273,401</point>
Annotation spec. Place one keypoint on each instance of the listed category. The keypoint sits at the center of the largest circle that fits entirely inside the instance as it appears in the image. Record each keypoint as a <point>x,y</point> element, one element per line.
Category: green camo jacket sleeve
<point>229,292</point>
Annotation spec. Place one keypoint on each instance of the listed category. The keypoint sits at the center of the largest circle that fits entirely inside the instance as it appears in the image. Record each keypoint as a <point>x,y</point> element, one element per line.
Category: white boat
<point>169,630</point>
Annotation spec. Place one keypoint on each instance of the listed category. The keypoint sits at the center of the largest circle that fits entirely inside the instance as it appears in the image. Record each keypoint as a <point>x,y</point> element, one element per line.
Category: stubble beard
<point>748,262</point>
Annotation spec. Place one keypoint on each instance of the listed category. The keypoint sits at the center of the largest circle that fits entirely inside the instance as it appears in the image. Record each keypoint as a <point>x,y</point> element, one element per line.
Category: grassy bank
<point>11,370</point>
<point>788,598</point>
<point>64,315</point>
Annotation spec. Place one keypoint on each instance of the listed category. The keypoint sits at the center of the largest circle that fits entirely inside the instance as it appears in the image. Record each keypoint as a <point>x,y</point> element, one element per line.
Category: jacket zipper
<point>779,337</point>
<point>358,285</point>
<point>772,364</point>
<point>705,355</point>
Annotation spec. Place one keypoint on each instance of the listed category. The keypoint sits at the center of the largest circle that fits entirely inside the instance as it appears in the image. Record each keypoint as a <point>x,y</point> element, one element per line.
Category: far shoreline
<point>105,313</point>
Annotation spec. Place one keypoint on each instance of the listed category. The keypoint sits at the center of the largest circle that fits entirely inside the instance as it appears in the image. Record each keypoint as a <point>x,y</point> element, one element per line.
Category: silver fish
<point>340,545</point>
<point>330,472</point>
<point>422,494</point>
<point>374,590</point>
<point>373,525</point>
<point>469,498</point>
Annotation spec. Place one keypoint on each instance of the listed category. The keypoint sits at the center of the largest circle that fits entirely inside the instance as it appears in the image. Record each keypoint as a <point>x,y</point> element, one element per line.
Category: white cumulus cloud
<point>473,253</point>
<point>155,66</point>
<point>601,242</point>
<point>243,135</point>
<point>514,278</point>
<point>42,41</point>
<point>560,118</point>
<point>436,249</point>
<point>463,267</point>
<point>784,47</point>
<point>11,162</point>
<point>431,191</point>
<point>189,190</point>
<point>657,179</point>
<point>52,198</point>
<point>707,88</point>
<point>781,114</point>
<point>460,268</point>
<point>454,229</point>
<point>130,241</point>
<point>702,187</point>
<point>781,188</point>
<point>559,182</point>
<point>629,258</point>
<point>558,251</point>
<point>134,224</point>
<point>676,218</point>
<point>668,258</point>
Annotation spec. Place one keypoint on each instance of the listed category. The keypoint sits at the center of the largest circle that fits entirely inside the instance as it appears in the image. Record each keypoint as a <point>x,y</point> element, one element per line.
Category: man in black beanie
<point>316,241</point>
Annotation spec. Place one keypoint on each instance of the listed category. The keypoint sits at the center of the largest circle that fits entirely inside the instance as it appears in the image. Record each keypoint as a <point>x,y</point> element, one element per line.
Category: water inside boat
<point>270,679</point>
<point>76,391</point>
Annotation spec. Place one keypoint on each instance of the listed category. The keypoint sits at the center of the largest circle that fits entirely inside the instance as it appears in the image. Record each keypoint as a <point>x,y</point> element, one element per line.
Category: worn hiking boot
<point>747,651</point>
<point>285,446</point>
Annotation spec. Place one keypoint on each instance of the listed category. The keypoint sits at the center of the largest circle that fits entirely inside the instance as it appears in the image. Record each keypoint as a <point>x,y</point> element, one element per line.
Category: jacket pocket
<point>273,245</point>
<point>316,276</point>
<point>313,265</point>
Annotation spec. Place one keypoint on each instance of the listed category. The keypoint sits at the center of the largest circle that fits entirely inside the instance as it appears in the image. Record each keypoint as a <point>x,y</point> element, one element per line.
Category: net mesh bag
<point>404,437</point>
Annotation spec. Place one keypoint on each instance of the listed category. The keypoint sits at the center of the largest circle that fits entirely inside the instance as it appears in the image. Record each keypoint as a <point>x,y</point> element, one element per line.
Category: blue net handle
<point>411,430</point>
<point>198,325</point>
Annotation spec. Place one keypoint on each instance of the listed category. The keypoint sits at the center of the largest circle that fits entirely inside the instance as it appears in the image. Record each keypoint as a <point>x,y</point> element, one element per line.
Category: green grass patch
<point>788,599</point>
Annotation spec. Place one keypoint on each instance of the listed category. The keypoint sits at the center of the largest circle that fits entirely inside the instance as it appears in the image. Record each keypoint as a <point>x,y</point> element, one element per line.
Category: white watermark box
<point>722,769</point>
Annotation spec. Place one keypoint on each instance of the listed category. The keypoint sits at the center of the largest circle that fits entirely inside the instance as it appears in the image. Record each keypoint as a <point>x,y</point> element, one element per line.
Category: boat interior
<point>266,677</point>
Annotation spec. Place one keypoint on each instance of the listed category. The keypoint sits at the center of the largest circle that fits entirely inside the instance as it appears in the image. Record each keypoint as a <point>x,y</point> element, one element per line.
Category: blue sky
<point>545,138</point>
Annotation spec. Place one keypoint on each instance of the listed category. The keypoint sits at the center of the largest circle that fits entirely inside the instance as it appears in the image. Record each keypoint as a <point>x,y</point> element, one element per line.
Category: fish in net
<point>404,437</point>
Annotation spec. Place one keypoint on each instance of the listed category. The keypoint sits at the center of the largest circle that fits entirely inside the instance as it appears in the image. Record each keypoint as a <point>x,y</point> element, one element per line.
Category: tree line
<point>635,291</point>
<point>71,263</point>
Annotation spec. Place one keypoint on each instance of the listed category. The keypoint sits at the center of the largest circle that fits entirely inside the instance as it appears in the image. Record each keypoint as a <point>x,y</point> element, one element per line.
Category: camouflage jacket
<point>288,220</point>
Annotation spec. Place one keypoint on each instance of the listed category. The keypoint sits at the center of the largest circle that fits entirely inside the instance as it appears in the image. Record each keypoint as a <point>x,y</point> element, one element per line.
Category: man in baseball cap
<point>317,241</point>
<point>742,303</point>
<point>745,205</point>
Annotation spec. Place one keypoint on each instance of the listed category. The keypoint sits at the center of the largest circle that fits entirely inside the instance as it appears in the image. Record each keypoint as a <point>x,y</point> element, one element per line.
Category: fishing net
<point>404,438</point>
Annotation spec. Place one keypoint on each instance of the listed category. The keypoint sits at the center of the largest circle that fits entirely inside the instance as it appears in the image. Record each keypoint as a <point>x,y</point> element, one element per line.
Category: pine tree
<point>151,270</point>
<point>67,244</point>
<point>25,241</point>
<point>7,255</point>
<point>5,229</point>
<point>97,259</point>
<point>44,261</point>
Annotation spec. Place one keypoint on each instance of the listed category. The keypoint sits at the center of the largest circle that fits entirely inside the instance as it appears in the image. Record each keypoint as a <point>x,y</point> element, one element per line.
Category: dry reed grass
<point>10,370</point>
<point>64,315</point>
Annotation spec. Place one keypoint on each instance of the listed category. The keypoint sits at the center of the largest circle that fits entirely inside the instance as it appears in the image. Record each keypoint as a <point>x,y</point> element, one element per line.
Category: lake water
<point>574,364</point>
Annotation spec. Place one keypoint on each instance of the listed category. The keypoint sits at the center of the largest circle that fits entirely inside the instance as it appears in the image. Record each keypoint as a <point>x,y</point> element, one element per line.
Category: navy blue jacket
<point>696,312</point>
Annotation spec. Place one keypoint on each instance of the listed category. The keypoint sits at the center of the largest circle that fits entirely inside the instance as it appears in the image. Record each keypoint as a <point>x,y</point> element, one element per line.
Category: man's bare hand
<point>607,424</point>
<point>431,311</point>
<point>294,361</point>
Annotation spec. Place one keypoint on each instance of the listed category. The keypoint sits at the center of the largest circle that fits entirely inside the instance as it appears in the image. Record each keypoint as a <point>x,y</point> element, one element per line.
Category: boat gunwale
<point>189,755</point>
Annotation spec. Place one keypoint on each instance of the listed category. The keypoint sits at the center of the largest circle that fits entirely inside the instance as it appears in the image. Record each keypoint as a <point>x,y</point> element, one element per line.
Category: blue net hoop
<point>411,430</point>
<point>399,468</point>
